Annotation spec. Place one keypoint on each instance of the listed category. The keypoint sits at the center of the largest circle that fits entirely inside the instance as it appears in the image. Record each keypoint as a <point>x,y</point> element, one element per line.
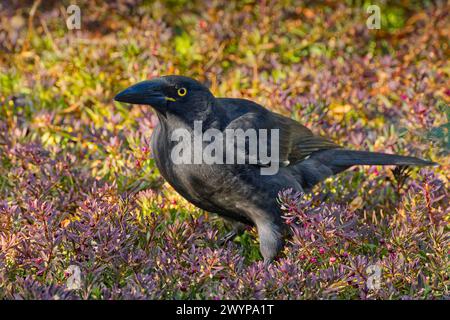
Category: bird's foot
<point>228,237</point>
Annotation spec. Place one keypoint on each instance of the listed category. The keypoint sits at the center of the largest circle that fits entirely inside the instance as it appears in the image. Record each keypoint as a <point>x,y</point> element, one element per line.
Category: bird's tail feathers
<point>322,164</point>
<point>340,157</point>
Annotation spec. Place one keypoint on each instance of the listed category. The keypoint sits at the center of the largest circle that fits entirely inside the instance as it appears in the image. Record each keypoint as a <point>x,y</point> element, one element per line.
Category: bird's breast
<point>198,183</point>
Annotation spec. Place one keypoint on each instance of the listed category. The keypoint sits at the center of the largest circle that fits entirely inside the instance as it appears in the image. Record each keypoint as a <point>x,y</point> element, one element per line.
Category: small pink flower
<point>404,97</point>
<point>332,259</point>
<point>302,257</point>
<point>313,260</point>
<point>321,250</point>
<point>203,24</point>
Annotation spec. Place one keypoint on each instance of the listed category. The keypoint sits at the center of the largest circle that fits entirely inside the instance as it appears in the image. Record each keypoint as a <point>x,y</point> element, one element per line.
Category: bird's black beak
<point>150,92</point>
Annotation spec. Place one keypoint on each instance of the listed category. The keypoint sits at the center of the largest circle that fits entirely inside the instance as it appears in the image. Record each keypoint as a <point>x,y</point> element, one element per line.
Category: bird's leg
<point>237,228</point>
<point>270,240</point>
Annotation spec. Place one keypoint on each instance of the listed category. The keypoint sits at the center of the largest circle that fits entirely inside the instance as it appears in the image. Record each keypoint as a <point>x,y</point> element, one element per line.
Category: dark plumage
<point>240,192</point>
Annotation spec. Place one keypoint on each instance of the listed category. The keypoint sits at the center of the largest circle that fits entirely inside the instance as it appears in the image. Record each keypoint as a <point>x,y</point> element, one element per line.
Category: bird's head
<point>169,94</point>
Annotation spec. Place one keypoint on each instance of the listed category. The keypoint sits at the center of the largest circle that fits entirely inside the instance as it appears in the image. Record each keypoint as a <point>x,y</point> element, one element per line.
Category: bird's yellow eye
<point>182,92</point>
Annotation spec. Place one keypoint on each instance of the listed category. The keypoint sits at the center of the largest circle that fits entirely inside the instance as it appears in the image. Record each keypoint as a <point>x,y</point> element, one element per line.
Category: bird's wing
<point>296,142</point>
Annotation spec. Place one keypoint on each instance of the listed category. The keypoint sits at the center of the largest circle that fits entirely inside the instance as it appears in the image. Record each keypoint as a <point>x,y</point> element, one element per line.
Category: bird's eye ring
<point>182,92</point>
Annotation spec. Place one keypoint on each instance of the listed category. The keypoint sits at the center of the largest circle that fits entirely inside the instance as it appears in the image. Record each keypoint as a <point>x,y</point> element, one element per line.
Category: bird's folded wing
<point>296,142</point>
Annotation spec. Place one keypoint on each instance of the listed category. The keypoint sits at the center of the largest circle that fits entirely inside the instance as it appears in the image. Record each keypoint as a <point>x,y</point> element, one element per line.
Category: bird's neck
<point>211,116</point>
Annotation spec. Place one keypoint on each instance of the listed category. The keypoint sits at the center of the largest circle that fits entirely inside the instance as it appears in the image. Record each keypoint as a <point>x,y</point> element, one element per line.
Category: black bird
<point>239,192</point>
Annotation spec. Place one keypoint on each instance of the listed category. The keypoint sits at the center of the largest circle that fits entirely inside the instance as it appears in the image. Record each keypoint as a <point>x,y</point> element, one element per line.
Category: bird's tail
<point>325,163</point>
<point>341,157</point>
